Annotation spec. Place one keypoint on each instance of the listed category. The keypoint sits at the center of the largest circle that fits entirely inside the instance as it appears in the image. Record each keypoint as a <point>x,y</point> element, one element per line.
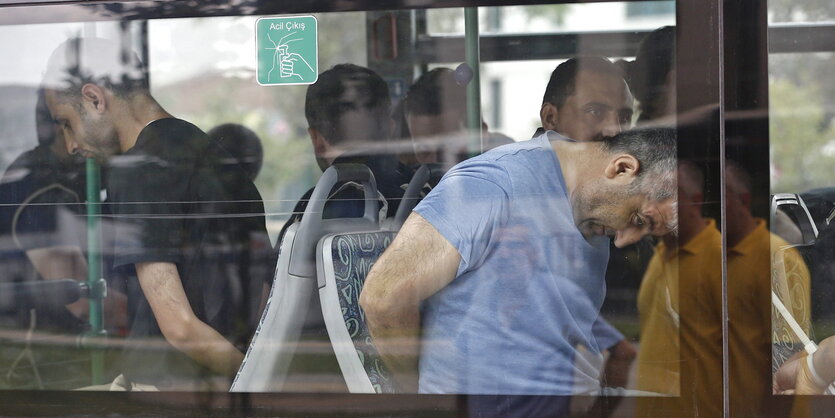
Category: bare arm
<point>416,265</point>
<point>67,262</point>
<point>162,287</point>
<point>63,262</point>
<point>615,374</point>
<point>795,378</point>
<point>616,369</point>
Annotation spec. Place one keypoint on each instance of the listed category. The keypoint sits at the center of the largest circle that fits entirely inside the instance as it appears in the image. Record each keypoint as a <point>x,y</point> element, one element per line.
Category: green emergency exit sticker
<point>287,50</point>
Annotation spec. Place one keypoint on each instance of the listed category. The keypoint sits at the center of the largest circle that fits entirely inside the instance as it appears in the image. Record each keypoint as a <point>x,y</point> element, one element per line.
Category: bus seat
<point>426,174</point>
<point>293,305</point>
<point>343,261</point>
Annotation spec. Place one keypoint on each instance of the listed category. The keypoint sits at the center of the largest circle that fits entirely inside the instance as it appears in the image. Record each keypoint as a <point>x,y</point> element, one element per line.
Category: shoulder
<point>26,159</point>
<point>167,135</point>
<point>171,125</point>
<point>165,144</point>
<point>713,251</point>
<point>36,159</point>
<point>790,255</point>
<point>502,164</point>
<point>32,170</point>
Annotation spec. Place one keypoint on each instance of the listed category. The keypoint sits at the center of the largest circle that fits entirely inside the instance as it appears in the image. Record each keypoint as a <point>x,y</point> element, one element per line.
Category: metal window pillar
<point>96,287</point>
<point>473,59</point>
<point>95,282</point>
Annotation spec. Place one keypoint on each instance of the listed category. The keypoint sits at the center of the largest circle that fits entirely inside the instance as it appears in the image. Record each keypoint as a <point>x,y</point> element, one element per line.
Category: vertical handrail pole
<point>473,58</point>
<point>95,283</point>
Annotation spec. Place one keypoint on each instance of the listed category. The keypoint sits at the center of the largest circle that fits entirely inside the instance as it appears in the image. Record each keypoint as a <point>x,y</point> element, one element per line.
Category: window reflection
<point>273,142</point>
<point>800,138</point>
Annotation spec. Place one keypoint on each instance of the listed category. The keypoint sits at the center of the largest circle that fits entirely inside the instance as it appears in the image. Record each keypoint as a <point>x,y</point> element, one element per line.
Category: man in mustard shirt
<point>758,262</point>
<point>686,265</point>
<point>680,305</point>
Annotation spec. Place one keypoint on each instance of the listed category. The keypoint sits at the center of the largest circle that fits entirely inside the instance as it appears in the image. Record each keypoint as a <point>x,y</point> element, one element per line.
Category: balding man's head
<point>586,99</point>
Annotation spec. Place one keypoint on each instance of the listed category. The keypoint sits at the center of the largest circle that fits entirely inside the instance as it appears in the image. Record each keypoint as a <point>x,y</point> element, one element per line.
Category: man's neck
<point>686,232</point>
<point>578,161</point>
<point>135,114</point>
<point>744,227</point>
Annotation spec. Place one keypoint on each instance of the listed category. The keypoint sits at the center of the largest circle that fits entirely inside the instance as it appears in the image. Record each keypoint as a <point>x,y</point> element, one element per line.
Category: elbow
<point>178,332</point>
<point>373,304</point>
<point>624,351</point>
<point>382,309</point>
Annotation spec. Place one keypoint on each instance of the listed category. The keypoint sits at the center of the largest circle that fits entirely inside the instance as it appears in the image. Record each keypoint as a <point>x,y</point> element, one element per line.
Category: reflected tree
<point>801,10</point>
<point>223,94</point>
<point>802,138</point>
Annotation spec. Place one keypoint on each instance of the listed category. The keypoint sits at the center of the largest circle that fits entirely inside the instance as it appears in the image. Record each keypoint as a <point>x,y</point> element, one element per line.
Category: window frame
<point>722,93</point>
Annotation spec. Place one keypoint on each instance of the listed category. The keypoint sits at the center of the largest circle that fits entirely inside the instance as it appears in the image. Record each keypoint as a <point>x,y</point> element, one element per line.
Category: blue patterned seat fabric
<point>353,255</point>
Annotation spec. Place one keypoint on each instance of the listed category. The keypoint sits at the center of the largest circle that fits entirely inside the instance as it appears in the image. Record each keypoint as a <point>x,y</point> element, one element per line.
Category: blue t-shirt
<point>529,286</point>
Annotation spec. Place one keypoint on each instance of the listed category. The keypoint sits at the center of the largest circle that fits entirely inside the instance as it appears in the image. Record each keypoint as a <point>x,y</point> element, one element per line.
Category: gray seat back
<point>293,304</point>
<point>427,173</point>
<point>343,261</point>
<point>789,290</point>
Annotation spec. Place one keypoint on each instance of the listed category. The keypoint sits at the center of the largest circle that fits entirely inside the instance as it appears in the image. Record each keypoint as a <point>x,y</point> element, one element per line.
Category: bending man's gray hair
<point>655,149</point>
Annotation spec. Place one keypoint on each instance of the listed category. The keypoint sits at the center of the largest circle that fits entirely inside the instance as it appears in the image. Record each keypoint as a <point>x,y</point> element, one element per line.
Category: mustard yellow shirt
<point>692,276</point>
<point>758,264</point>
<point>682,281</point>
<point>658,306</point>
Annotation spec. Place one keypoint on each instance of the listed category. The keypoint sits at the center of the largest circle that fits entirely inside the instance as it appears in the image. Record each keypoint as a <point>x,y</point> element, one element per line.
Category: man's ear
<point>93,96</point>
<point>622,168</point>
<point>548,116</point>
<point>320,144</point>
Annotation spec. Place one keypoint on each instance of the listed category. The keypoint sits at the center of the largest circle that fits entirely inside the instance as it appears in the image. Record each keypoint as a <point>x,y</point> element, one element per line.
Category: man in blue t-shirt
<point>500,269</point>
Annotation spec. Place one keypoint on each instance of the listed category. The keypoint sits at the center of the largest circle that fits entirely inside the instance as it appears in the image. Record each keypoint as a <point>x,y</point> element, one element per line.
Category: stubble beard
<point>102,137</point>
<point>594,202</point>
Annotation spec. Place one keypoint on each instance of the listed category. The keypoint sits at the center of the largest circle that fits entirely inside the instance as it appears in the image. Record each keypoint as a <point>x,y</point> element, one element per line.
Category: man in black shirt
<point>185,219</point>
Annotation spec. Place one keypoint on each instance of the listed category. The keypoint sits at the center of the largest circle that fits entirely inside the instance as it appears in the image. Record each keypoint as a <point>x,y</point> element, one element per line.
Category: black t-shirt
<point>176,199</point>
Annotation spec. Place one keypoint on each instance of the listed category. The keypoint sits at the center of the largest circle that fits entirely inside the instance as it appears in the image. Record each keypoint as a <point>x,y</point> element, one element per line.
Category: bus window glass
<point>240,220</point>
<point>603,16</point>
<point>801,59</point>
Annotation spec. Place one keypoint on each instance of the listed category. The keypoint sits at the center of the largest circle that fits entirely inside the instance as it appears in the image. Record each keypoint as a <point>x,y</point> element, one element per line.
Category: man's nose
<point>71,145</point>
<point>624,237</point>
<point>612,126</point>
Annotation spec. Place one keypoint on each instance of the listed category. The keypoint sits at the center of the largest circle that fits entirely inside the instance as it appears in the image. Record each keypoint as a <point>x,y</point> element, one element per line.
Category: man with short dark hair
<point>436,116</point>
<point>652,75</point>
<point>346,108</point>
<point>501,294</point>
<point>586,99</point>
<point>347,111</point>
<point>185,219</point>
